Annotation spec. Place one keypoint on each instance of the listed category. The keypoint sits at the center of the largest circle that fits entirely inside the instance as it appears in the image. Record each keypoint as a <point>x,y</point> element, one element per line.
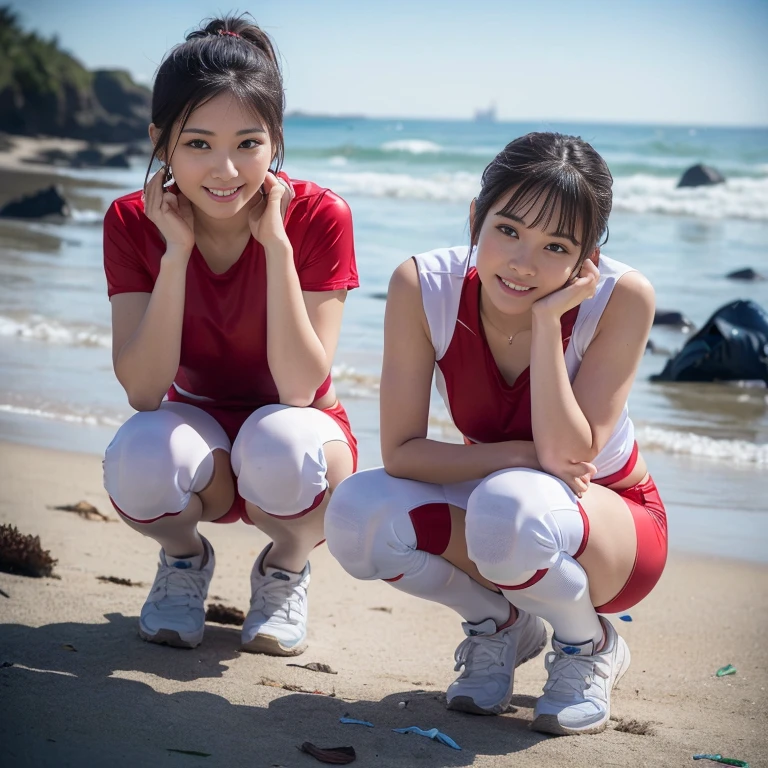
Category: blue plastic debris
<point>432,733</point>
<point>721,759</point>
<point>351,721</point>
<point>625,617</point>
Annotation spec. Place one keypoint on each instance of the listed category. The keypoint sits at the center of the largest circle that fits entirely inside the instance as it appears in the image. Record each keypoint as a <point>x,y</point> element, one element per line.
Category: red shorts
<point>231,420</point>
<point>651,526</point>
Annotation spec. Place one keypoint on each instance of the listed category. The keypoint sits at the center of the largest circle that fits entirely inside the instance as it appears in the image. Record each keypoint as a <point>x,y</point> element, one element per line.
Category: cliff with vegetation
<point>45,91</point>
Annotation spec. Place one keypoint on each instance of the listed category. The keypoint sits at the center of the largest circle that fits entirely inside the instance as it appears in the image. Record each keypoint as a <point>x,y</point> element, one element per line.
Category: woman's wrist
<point>543,318</point>
<point>279,250</point>
<point>176,254</point>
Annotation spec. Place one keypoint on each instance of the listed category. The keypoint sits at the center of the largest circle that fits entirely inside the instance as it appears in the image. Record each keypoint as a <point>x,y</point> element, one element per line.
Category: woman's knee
<point>367,526</point>
<point>513,522</point>
<point>153,465</point>
<point>279,461</point>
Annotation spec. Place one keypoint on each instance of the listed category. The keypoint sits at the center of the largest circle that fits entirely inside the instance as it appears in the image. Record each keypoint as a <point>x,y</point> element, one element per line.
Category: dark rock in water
<point>91,157</point>
<point>700,176</point>
<point>137,149</point>
<point>745,274</point>
<point>731,346</point>
<point>382,296</point>
<point>46,202</point>
<point>671,318</point>
<point>54,157</point>
<point>120,160</point>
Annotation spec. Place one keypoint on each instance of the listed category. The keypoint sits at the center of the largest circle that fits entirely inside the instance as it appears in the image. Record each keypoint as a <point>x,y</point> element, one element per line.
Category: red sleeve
<point>326,259</point>
<point>124,265</point>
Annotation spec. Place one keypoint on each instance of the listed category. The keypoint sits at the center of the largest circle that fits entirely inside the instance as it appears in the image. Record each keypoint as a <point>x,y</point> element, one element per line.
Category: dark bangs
<point>561,174</point>
<point>569,195</point>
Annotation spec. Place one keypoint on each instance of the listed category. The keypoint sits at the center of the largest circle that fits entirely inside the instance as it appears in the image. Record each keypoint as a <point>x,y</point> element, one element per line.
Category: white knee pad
<point>159,458</point>
<point>367,525</point>
<point>279,461</point>
<point>518,522</point>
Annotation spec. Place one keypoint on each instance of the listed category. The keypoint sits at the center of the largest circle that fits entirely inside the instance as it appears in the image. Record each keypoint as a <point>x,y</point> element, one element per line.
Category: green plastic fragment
<point>728,669</point>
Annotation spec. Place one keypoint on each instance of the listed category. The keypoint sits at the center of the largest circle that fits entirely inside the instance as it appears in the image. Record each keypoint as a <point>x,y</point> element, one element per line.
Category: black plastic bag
<point>732,346</point>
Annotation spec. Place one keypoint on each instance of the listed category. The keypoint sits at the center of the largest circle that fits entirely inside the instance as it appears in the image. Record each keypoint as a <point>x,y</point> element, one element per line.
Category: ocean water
<point>409,184</point>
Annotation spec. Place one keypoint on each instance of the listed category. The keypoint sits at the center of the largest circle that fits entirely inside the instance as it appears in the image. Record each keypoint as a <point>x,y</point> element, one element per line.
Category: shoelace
<point>480,652</point>
<point>573,674</point>
<point>177,582</point>
<point>279,598</point>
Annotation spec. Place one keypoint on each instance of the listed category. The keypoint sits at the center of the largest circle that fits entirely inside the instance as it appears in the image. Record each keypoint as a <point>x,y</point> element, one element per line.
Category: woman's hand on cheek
<point>266,218</point>
<point>576,290</point>
<point>170,213</point>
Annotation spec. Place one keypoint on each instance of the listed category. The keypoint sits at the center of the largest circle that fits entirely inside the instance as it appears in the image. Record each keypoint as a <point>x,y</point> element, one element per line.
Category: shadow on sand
<point>62,707</point>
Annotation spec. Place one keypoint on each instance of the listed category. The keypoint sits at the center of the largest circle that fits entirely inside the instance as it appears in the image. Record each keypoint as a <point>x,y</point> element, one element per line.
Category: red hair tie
<point>228,33</point>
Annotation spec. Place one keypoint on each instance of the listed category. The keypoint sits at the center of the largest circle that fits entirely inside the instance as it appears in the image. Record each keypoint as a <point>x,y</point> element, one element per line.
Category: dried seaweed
<point>315,666</point>
<point>295,688</point>
<point>121,582</point>
<point>223,614</point>
<point>23,554</point>
<point>382,608</point>
<point>86,511</point>
<point>330,755</point>
<point>637,727</point>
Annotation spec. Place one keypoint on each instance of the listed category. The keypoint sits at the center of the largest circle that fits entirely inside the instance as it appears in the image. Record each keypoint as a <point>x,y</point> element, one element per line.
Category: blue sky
<point>691,62</point>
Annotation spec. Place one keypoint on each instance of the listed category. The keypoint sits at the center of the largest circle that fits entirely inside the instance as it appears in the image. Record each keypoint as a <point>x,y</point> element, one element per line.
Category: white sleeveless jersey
<point>442,276</point>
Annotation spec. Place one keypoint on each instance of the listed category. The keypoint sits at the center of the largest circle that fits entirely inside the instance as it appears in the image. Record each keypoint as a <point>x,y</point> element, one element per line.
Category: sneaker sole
<point>168,637</point>
<point>467,703</point>
<point>550,723</point>
<point>271,646</point>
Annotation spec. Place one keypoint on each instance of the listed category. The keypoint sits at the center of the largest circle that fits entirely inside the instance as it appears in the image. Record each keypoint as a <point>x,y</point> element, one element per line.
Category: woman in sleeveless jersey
<point>547,510</point>
<point>227,281</point>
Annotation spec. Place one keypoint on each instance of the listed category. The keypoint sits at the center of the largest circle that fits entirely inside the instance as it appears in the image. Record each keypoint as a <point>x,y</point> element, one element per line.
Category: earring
<point>169,180</point>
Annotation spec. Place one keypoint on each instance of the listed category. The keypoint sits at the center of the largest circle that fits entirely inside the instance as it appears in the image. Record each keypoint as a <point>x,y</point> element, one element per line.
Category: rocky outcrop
<point>700,176</point>
<point>46,202</point>
<point>45,91</point>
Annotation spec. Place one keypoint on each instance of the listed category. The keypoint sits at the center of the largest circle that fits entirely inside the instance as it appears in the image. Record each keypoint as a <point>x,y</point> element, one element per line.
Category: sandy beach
<point>83,689</point>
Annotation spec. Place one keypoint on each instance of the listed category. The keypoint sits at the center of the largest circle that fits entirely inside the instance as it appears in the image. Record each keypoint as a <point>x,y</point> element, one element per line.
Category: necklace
<point>509,339</point>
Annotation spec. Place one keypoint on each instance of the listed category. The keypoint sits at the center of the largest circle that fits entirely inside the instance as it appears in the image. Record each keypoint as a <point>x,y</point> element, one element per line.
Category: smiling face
<point>221,157</point>
<point>520,259</point>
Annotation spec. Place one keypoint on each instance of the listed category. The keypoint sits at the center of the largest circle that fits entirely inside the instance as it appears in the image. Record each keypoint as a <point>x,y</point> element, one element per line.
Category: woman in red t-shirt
<point>227,281</point>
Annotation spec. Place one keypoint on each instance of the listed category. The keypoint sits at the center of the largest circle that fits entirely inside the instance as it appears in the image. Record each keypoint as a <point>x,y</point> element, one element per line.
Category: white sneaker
<point>489,658</point>
<point>577,695</point>
<point>276,623</point>
<point>174,613</point>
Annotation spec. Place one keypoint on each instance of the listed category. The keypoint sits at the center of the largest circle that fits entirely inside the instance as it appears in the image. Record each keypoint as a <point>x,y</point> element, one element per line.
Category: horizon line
<point>505,121</point>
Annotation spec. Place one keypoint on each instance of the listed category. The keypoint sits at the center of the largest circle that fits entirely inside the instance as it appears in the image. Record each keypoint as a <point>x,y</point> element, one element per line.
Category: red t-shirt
<point>224,332</point>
